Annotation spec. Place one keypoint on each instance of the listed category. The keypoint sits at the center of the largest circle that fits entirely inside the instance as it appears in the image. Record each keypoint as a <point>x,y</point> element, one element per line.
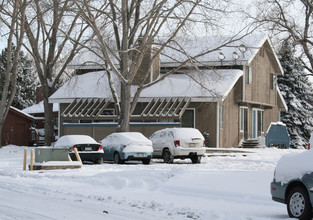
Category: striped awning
<point>90,108</point>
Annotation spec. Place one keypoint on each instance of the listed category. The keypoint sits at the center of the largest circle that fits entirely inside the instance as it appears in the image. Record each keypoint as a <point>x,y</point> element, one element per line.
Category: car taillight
<point>100,148</point>
<point>74,147</point>
<point>203,143</point>
<point>309,146</point>
<point>176,143</point>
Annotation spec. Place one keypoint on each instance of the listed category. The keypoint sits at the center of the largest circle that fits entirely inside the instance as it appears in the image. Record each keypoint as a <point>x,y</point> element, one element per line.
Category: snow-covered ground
<point>230,187</point>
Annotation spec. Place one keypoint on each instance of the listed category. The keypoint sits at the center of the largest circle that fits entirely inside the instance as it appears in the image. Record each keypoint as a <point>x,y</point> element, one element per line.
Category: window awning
<point>97,108</point>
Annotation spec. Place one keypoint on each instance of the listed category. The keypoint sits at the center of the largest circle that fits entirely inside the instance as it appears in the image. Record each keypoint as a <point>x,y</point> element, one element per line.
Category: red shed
<point>18,128</point>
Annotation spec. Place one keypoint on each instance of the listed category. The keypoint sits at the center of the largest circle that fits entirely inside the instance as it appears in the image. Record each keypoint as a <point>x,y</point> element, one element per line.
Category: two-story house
<point>231,94</point>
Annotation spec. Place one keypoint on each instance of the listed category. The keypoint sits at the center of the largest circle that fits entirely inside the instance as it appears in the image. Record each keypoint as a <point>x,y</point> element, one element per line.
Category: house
<point>18,128</point>
<point>38,113</point>
<point>232,95</point>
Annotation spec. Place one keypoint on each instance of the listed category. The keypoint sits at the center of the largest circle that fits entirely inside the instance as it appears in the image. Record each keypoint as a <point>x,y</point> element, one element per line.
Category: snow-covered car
<point>171,143</point>
<point>87,148</point>
<point>125,146</point>
<point>293,183</point>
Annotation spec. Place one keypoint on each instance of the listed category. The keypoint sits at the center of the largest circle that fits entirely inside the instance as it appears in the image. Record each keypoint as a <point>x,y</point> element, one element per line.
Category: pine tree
<point>26,80</point>
<point>298,93</point>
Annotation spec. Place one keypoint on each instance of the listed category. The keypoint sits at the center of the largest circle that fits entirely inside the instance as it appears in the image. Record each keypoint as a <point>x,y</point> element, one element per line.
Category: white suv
<point>170,143</point>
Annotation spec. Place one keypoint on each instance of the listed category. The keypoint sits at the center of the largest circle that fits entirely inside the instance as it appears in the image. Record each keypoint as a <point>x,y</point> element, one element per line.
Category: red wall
<point>16,129</point>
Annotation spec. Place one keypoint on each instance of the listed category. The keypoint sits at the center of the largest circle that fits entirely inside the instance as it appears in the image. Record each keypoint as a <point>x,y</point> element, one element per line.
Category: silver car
<point>182,143</point>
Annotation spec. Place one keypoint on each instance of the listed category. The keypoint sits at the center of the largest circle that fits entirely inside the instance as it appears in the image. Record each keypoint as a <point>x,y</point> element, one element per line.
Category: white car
<point>170,143</point>
<point>124,146</point>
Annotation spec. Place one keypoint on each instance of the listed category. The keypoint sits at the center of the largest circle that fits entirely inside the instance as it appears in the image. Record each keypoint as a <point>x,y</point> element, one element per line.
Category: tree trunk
<point>124,119</point>
<point>1,125</point>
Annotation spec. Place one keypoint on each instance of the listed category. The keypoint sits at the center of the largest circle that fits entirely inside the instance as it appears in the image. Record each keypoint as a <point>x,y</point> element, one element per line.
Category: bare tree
<point>125,31</point>
<point>54,32</point>
<point>292,20</point>
<point>12,15</point>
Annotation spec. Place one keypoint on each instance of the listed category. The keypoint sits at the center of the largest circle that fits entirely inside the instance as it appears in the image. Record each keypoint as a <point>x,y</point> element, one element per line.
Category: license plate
<point>88,148</point>
<point>140,155</point>
<point>192,145</point>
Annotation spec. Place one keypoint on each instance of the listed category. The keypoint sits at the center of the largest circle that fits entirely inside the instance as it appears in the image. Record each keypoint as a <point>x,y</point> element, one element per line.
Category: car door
<point>156,143</point>
<point>107,148</point>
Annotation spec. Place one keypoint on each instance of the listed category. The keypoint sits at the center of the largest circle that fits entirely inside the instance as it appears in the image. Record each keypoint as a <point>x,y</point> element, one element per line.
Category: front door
<point>257,122</point>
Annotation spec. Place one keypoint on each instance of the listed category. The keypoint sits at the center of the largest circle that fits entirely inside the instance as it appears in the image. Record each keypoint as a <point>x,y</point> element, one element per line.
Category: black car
<point>87,148</point>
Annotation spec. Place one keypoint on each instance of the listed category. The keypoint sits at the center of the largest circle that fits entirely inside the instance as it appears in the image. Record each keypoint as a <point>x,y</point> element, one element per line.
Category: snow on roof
<point>126,138</point>
<point>201,45</point>
<point>211,85</point>
<point>172,53</point>
<point>39,108</point>
<point>71,140</point>
<point>23,113</point>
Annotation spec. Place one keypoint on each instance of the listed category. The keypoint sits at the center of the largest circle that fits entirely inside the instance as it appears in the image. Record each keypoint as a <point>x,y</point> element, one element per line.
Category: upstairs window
<point>273,81</point>
<point>248,75</point>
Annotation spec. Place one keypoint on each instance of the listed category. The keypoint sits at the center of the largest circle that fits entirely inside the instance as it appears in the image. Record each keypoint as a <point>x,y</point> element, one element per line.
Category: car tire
<point>196,159</point>
<point>117,159</point>
<point>298,204</point>
<point>146,161</point>
<point>167,156</point>
<point>99,161</point>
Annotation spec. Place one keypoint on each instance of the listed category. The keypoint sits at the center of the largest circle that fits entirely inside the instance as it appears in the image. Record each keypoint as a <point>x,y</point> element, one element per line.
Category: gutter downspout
<point>217,125</point>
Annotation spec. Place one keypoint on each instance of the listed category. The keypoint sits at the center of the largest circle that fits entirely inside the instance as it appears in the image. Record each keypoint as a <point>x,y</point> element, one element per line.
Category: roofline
<point>266,38</point>
<point>28,116</point>
<point>145,99</point>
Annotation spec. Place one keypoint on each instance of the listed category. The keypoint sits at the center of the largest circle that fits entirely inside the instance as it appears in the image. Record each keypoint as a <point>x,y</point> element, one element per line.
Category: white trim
<point>243,107</point>
<point>217,124</point>
<point>59,121</point>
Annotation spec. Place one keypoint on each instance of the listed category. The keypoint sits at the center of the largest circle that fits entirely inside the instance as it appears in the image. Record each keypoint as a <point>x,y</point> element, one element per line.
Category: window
<point>188,119</point>
<point>248,74</point>
<point>273,81</point>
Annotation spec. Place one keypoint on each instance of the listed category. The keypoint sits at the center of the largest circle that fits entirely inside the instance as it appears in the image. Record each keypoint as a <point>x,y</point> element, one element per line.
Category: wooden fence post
<point>32,159</point>
<point>77,155</point>
<point>25,159</point>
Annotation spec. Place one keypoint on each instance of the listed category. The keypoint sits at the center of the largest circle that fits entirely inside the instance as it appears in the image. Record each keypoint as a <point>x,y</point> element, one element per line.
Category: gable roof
<point>21,113</point>
<point>207,85</point>
<point>38,108</point>
<point>172,54</point>
<point>250,44</point>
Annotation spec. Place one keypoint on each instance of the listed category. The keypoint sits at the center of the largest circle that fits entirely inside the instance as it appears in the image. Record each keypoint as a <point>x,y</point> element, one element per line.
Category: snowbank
<point>233,187</point>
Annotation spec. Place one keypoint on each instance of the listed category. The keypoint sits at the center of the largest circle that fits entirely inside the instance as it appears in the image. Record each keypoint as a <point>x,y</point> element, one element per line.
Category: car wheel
<point>298,204</point>
<point>99,161</point>
<point>146,161</point>
<point>117,159</point>
<point>167,157</point>
<point>196,159</point>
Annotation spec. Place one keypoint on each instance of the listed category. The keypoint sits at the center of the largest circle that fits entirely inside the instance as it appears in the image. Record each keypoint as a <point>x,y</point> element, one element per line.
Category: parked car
<point>125,146</point>
<point>293,183</point>
<point>171,143</point>
<point>87,148</point>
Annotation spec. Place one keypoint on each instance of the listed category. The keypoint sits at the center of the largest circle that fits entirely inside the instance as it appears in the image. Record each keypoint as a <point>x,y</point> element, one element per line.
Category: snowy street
<point>234,186</point>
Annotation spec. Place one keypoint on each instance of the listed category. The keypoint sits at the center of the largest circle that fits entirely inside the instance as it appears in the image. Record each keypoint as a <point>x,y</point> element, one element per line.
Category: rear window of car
<point>188,133</point>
